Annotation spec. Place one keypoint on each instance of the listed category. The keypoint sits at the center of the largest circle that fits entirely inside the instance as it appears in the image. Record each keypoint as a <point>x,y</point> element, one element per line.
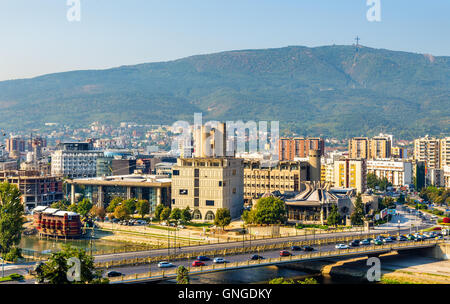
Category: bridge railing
<point>171,273</point>
<point>226,252</point>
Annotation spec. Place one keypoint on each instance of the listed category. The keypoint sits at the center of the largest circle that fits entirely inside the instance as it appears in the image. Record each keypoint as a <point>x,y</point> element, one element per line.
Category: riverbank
<point>395,269</point>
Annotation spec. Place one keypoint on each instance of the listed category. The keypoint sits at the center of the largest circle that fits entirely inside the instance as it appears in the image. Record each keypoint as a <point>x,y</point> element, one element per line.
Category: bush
<point>14,255</point>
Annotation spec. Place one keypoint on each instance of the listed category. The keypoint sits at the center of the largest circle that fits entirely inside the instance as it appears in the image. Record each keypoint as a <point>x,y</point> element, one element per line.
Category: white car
<point>220,260</point>
<point>341,246</point>
<point>165,265</point>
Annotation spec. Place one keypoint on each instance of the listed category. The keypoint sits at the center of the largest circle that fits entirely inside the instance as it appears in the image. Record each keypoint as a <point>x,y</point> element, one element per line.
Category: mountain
<point>331,90</point>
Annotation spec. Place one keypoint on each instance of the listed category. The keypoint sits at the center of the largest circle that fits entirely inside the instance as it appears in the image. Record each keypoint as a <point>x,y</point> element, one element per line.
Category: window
<point>196,202</point>
<point>176,172</point>
<point>183,191</point>
<point>220,183</point>
<point>173,201</point>
<point>234,190</point>
<point>209,203</point>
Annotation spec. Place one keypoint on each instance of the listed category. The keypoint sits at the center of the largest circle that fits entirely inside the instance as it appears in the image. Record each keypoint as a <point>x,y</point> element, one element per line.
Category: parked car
<point>220,261</point>
<point>203,258</point>
<point>285,253</point>
<point>256,257</point>
<point>165,265</point>
<point>387,240</point>
<point>113,273</point>
<point>342,246</point>
<point>197,264</point>
<point>296,248</point>
<point>410,237</point>
<point>402,238</point>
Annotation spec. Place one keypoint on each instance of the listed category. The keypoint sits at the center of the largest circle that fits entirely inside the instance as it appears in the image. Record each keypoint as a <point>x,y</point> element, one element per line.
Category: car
<point>308,248</point>
<point>387,240</point>
<point>394,238</point>
<point>181,227</point>
<point>112,274</point>
<point>354,243</point>
<point>197,264</point>
<point>296,248</point>
<point>165,265</point>
<point>220,261</point>
<point>365,242</point>
<point>410,237</point>
<point>256,257</point>
<point>203,258</point>
<point>402,238</point>
<point>440,237</point>
<point>342,246</point>
<point>285,253</point>
<point>378,242</point>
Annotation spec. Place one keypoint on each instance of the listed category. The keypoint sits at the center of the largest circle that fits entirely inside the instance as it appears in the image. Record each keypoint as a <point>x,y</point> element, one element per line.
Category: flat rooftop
<point>142,180</point>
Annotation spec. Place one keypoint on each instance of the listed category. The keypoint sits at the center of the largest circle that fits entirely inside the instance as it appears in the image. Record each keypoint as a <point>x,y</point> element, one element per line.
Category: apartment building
<point>399,173</point>
<point>206,184</point>
<point>299,147</point>
<point>447,177</point>
<point>426,149</point>
<point>351,173</point>
<point>444,153</point>
<point>378,147</point>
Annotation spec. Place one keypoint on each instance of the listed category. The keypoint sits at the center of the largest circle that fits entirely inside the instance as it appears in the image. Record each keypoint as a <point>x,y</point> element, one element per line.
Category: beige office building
<point>399,173</point>
<point>351,173</point>
<point>207,184</point>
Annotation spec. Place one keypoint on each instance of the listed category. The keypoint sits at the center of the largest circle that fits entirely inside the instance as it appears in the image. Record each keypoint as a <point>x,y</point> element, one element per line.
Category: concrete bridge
<point>434,248</point>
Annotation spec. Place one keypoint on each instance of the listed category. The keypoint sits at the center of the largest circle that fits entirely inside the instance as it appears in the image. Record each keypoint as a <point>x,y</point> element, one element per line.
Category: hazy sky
<point>37,38</point>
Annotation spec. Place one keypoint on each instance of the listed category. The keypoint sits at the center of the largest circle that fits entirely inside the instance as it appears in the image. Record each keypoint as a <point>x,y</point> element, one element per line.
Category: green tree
<point>130,204</point>
<point>98,212</point>
<point>281,281</point>
<point>158,211</point>
<point>57,269</point>
<point>270,210</point>
<point>11,217</point>
<point>73,207</point>
<point>143,207</point>
<point>165,214</point>
<point>186,215</point>
<point>334,218</point>
<point>84,207</point>
<point>372,180</point>
<point>116,201</point>
<point>121,212</point>
<point>175,214</point>
<point>357,217</point>
<point>248,216</point>
<point>61,205</point>
<point>222,218</point>
<point>182,275</point>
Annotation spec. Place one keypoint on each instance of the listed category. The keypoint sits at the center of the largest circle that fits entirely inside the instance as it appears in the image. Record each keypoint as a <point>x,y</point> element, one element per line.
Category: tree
<point>334,218</point>
<point>186,215</point>
<point>57,270</point>
<point>121,212</point>
<point>281,281</point>
<point>11,217</point>
<point>372,180</point>
<point>61,205</point>
<point>222,218</point>
<point>182,275</point>
<point>158,211</point>
<point>175,214</point>
<point>73,208</point>
<point>270,210</point>
<point>165,214</point>
<point>357,217</point>
<point>98,212</point>
<point>130,204</point>
<point>143,207</point>
<point>116,201</point>
<point>84,207</point>
<point>248,216</point>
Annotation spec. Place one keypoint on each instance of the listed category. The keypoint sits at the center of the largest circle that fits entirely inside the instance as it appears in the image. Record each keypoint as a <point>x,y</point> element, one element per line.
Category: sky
<point>37,37</point>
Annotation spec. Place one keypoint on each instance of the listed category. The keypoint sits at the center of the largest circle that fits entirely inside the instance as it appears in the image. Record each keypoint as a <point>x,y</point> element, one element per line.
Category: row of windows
<point>272,176</point>
<point>196,202</point>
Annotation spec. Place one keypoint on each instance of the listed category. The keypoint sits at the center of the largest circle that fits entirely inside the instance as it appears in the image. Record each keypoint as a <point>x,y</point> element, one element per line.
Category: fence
<point>226,251</point>
<point>166,274</point>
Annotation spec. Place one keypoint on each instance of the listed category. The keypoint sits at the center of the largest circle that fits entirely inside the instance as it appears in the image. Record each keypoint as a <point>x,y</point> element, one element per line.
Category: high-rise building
<point>299,147</point>
<point>426,149</point>
<point>399,152</point>
<point>206,184</point>
<point>210,141</point>
<point>351,173</point>
<point>75,160</point>
<point>15,146</point>
<point>378,147</point>
<point>444,158</point>
<point>358,147</point>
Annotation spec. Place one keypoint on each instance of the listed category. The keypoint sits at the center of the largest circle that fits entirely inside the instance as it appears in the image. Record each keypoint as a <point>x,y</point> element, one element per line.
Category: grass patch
<point>12,277</point>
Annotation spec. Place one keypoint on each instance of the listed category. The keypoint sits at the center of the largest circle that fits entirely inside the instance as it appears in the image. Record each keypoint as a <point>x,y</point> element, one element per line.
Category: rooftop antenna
<point>357,39</point>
